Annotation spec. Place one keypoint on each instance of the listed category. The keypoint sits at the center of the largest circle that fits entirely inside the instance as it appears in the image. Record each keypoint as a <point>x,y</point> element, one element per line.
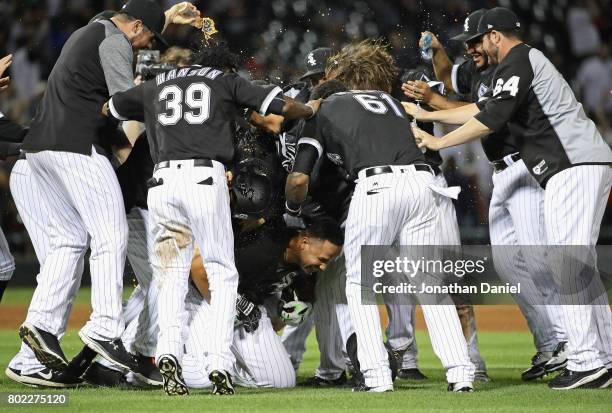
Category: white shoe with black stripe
<point>44,378</point>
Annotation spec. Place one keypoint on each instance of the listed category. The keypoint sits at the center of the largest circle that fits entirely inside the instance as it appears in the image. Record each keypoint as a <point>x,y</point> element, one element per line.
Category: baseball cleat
<point>222,382</point>
<point>603,382</point>
<point>102,376</point>
<point>569,379</point>
<point>45,346</point>
<point>482,377</point>
<point>172,374</point>
<point>111,350</point>
<point>558,360</point>
<point>44,378</point>
<point>461,387</point>
<point>411,374</point>
<point>378,389</point>
<point>146,371</point>
<point>317,381</point>
<point>537,368</point>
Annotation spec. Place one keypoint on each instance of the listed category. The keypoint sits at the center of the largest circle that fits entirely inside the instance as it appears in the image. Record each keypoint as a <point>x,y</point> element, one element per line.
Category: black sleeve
<point>310,148</point>
<point>461,77</point>
<point>128,105</point>
<point>264,99</point>
<point>11,131</point>
<point>512,84</point>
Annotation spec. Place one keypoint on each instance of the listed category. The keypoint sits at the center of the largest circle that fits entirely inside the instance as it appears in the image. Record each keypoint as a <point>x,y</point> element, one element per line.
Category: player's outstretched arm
<point>442,64</point>
<point>455,116</point>
<point>472,130</point>
<point>292,109</point>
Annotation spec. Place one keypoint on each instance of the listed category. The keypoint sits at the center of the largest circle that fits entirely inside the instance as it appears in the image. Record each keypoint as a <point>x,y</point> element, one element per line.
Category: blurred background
<point>273,38</point>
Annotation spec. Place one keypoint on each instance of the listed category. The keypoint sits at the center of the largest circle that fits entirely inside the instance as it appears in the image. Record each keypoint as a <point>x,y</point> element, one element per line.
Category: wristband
<point>293,208</point>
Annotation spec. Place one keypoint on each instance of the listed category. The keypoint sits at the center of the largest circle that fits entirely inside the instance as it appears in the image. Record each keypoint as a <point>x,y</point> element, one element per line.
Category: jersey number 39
<point>196,97</point>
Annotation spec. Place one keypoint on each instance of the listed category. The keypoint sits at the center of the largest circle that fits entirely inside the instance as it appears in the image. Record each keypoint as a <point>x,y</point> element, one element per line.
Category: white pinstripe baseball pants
<point>192,204</point>
<point>401,328</point>
<point>84,204</point>
<point>260,358</point>
<point>400,208</point>
<point>516,218</point>
<point>28,199</point>
<point>574,204</point>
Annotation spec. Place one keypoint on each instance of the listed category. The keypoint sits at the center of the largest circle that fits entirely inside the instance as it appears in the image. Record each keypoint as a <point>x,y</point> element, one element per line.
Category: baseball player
<point>66,150</point>
<point>391,176</point>
<point>516,208</point>
<point>189,111</point>
<point>417,85</point>
<point>565,153</point>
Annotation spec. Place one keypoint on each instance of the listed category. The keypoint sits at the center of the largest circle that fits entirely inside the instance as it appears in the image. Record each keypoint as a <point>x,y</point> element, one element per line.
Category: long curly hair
<point>366,65</point>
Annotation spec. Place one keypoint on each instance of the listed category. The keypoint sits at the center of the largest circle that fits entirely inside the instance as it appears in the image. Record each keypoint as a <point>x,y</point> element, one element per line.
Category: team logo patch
<point>482,90</point>
<point>466,25</point>
<point>335,158</point>
<point>311,59</point>
<point>540,168</point>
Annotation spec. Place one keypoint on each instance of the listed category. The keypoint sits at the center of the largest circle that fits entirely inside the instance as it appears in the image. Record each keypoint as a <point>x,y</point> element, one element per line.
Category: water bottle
<point>426,50</point>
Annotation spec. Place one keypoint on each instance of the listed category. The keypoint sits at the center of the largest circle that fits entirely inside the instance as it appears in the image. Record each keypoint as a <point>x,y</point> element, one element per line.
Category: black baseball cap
<point>470,26</point>
<point>316,62</point>
<point>498,18</point>
<point>150,12</point>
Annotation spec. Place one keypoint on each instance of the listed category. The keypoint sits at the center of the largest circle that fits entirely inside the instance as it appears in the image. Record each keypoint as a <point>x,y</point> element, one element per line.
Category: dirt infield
<point>488,317</point>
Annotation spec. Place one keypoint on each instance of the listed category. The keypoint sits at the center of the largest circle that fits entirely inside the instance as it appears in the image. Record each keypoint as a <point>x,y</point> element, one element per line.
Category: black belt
<point>196,162</point>
<point>379,170</point>
<point>500,164</point>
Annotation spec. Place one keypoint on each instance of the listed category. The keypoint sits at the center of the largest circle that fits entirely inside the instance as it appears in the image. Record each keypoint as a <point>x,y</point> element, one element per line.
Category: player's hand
<point>138,80</point>
<point>248,314</point>
<point>230,178</point>
<point>182,13</point>
<point>435,43</point>
<point>424,139</point>
<point>294,312</point>
<point>5,62</point>
<point>418,90</point>
<point>414,110</point>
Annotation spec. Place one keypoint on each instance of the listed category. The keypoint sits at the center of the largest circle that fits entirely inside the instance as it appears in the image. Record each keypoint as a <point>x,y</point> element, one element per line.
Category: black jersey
<point>533,99</point>
<point>359,129</point>
<point>474,85</point>
<point>189,112</point>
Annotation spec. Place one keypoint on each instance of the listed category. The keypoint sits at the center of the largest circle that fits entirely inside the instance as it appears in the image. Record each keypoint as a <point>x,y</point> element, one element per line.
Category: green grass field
<point>506,354</point>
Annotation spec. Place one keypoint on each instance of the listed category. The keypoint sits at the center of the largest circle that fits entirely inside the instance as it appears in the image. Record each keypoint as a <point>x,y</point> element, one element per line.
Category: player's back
<point>191,111</point>
<point>367,128</point>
